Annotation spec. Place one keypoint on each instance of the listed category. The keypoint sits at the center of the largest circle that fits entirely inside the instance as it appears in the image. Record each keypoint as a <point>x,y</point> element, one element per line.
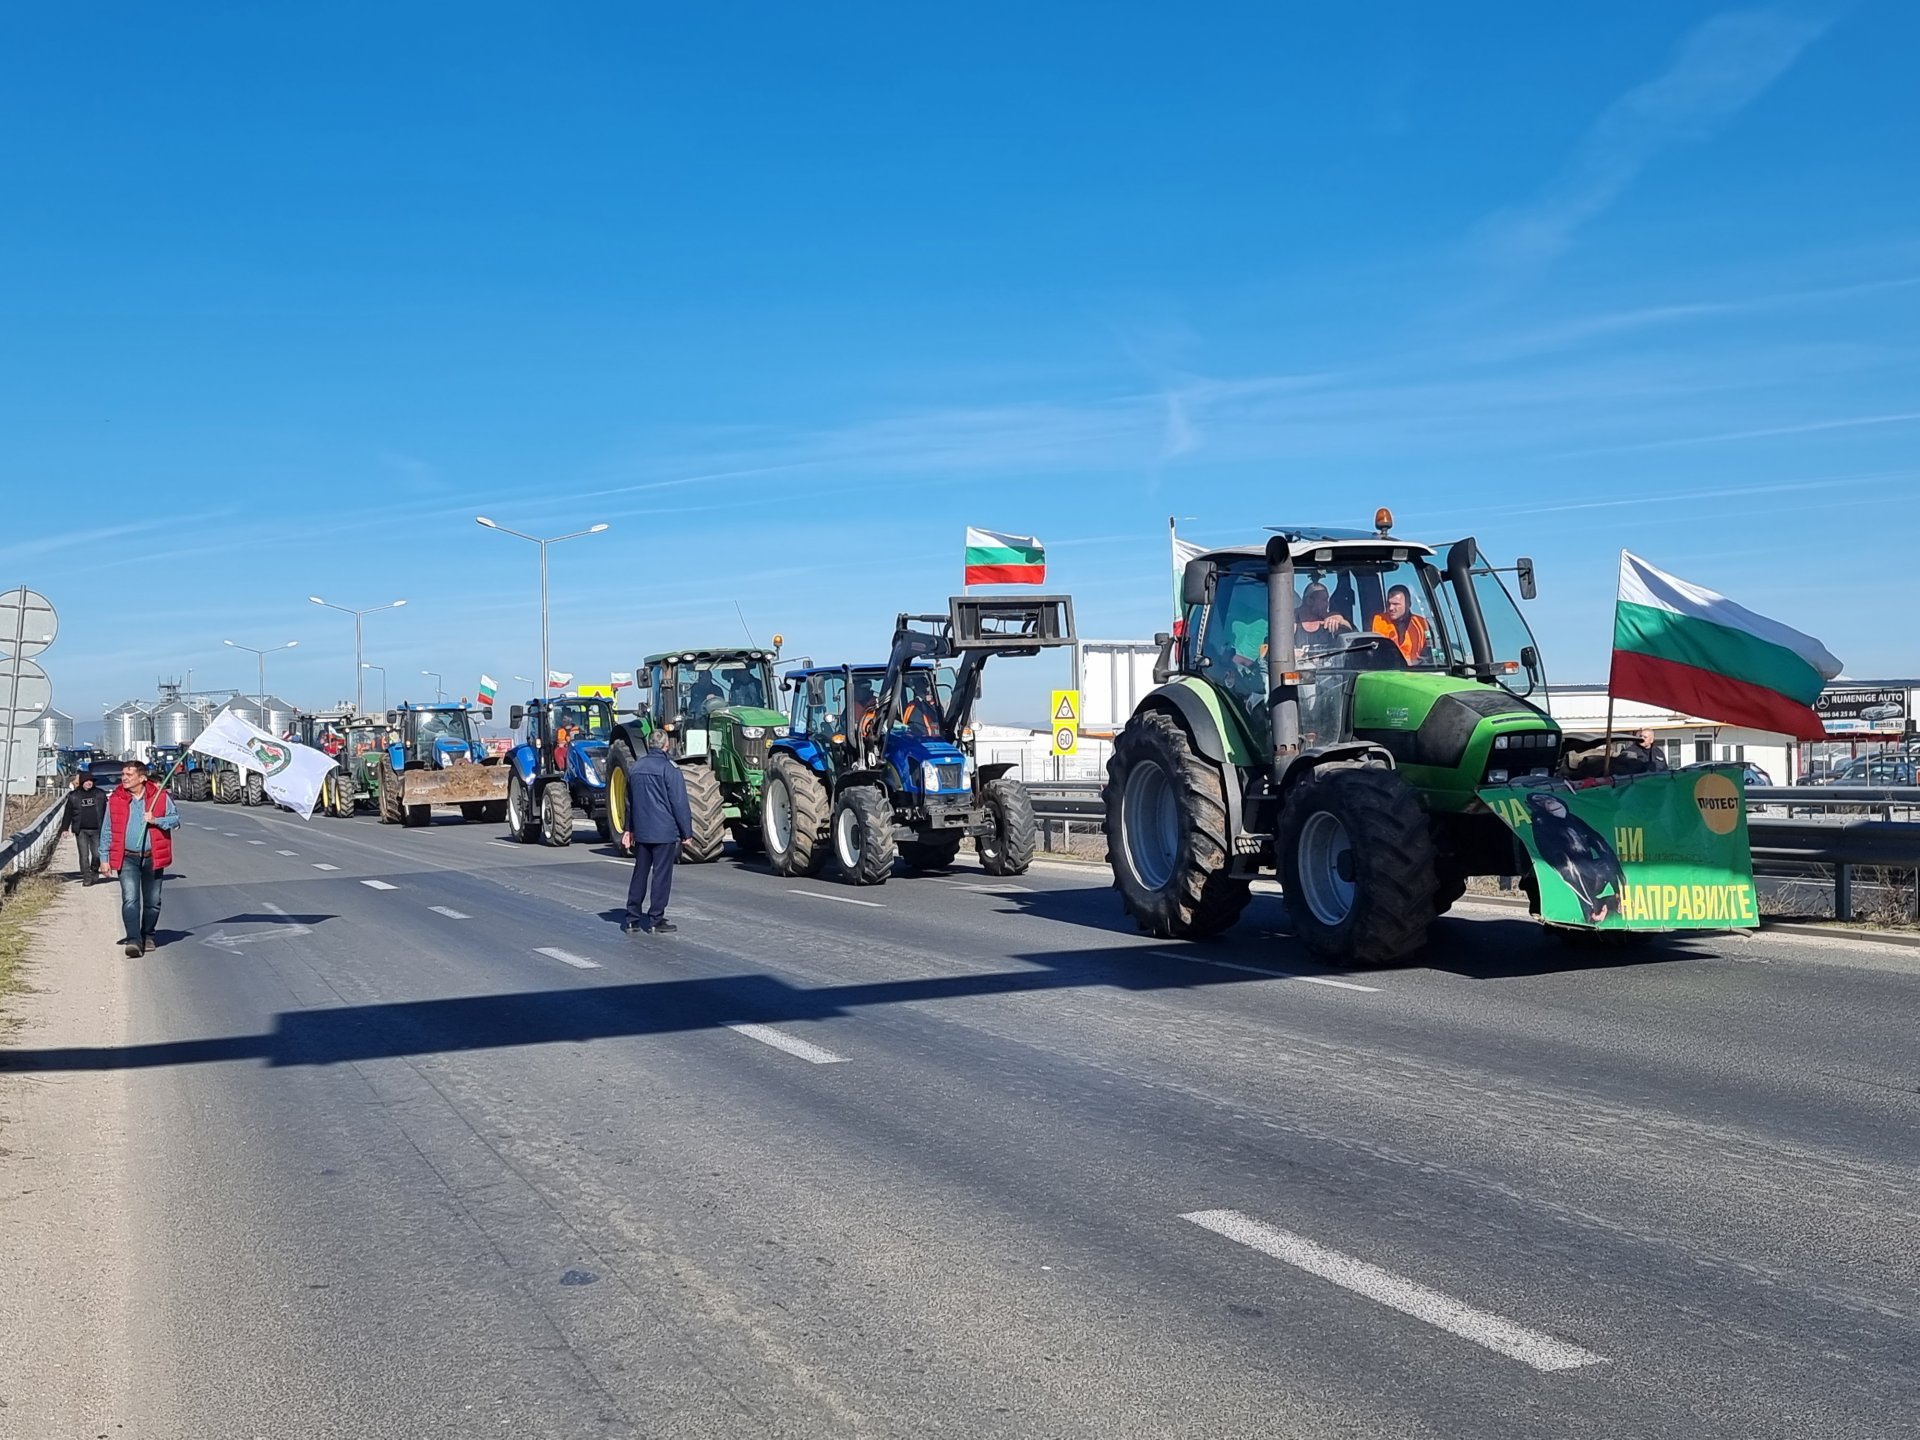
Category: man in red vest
<point>138,842</point>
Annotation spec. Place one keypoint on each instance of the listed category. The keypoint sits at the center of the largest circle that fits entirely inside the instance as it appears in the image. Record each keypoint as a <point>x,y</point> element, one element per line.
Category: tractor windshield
<point>436,726</point>
<point>708,685</point>
<point>587,719</point>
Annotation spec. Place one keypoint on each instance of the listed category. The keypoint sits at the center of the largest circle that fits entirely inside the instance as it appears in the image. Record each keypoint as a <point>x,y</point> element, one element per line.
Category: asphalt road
<point>428,1148</point>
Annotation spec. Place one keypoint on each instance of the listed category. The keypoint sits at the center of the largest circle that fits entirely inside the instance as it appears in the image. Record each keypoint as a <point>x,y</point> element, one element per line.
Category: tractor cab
<point>564,728</point>
<point>690,691</point>
<point>431,737</point>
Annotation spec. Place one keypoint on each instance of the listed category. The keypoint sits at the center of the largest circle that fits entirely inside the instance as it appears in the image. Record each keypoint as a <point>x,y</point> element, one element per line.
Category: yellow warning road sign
<point>1066,722</point>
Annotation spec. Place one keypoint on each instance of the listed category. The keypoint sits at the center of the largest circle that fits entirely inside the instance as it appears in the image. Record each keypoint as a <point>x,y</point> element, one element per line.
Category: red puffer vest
<point>160,842</point>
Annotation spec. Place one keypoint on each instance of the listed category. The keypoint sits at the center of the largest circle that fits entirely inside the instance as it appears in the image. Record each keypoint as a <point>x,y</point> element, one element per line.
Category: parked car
<point>1872,770</point>
<point>106,774</point>
<point>1754,775</point>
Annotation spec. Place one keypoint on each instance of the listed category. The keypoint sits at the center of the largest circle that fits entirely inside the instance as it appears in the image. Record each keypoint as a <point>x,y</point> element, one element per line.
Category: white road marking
<point>1277,974</point>
<point>231,834</point>
<point>286,852</point>
<point>450,913</point>
<point>780,1040</point>
<point>838,899</point>
<point>1495,1332</point>
<point>319,866</point>
<point>578,962</point>
<point>378,885</point>
<point>256,842</point>
<point>1002,889</point>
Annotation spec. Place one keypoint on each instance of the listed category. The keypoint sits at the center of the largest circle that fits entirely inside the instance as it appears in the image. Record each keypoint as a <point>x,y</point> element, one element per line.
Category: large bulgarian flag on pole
<point>1684,647</point>
<point>996,559</point>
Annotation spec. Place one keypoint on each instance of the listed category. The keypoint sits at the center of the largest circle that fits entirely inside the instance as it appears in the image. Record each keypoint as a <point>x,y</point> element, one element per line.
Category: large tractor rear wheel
<point>863,843</point>
<point>1016,834</point>
<point>1357,864</point>
<point>256,789</point>
<point>709,811</point>
<point>619,757</point>
<point>228,787</point>
<point>793,818</point>
<point>345,802</point>
<point>556,814</point>
<point>1167,837</point>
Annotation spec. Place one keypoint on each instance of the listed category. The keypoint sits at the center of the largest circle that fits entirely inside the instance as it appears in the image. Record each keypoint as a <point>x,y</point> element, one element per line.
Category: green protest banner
<point>1661,851</point>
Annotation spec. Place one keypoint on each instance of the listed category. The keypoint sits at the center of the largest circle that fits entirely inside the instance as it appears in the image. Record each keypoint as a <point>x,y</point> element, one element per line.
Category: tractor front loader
<point>877,761</point>
<point>432,759</point>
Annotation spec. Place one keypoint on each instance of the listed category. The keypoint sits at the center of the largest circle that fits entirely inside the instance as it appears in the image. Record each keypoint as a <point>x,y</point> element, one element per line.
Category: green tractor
<point>327,732</point>
<point>1329,709</point>
<point>717,705</point>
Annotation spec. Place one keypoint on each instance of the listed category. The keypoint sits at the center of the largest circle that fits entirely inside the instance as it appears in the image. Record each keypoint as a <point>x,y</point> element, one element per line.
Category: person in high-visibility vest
<point>1399,624</point>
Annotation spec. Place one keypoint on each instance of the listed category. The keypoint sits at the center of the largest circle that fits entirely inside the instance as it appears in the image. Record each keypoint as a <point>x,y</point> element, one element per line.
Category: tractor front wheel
<point>523,823</point>
<point>863,842</point>
<point>556,814</point>
<point>228,787</point>
<point>793,818</point>
<point>1008,850</point>
<point>387,795</point>
<point>1167,837</point>
<point>1357,864</point>
<point>256,790</point>
<point>709,811</point>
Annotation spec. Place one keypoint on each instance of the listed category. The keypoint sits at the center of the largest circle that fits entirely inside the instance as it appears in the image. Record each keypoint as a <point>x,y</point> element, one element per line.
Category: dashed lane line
<point>378,885</point>
<point>1494,1332</point>
<point>319,866</point>
<point>838,899</point>
<point>256,842</point>
<point>1327,980</point>
<point>449,912</point>
<point>286,852</point>
<point>565,957</point>
<point>780,1040</point>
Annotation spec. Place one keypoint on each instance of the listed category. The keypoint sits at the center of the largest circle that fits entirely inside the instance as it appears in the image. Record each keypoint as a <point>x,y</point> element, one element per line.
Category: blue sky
<point>790,295</point>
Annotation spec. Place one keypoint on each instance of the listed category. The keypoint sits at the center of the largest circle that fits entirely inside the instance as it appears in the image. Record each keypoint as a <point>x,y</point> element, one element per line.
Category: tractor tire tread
<point>1011,807</point>
<point>1203,898</point>
<point>1392,844</point>
<point>807,852</point>
<point>874,815</point>
<point>708,810</point>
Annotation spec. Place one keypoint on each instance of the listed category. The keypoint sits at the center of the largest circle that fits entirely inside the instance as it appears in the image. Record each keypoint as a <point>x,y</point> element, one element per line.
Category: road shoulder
<point>73,1363</point>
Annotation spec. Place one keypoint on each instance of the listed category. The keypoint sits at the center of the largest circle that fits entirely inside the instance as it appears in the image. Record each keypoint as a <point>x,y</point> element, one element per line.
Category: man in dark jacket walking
<point>86,808</point>
<point>657,821</point>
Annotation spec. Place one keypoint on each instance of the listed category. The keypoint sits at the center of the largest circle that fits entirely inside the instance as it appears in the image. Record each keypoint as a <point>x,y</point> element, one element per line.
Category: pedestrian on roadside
<point>657,821</point>
<point>86,809</point>
<point>138,842</point>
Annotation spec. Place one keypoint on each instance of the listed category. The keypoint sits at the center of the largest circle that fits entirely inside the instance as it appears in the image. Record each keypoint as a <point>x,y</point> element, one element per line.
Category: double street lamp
<point>359,665</point>
<point>364,665</point>
<point>546,664</point>
<point>260,658</point>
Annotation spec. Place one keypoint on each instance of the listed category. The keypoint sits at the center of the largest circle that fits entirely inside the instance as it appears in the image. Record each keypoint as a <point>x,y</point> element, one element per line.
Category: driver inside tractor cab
<point>723,685</point>
<point>1317,625</point>
<point>920,709</point>
<point>1398,623</point>
<point>862,702</point>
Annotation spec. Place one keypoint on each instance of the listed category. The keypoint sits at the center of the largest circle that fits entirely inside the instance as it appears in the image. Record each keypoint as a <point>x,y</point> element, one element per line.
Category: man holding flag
<point>137,841</point>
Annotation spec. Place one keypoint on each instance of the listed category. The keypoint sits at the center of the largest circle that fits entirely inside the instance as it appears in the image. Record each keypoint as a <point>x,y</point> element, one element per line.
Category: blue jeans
<point>139,897</point>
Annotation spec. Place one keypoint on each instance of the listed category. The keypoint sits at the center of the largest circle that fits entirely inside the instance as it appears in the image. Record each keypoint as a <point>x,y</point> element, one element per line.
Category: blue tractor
<point>877,761</point>
<point>559,766</point>
<point>432,758</point>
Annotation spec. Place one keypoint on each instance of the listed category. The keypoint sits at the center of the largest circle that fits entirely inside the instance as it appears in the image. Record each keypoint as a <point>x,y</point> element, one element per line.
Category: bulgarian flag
<point>996,559</point>
<point>559,679</point>
<point>488,690</point>
<point>1684,647</point>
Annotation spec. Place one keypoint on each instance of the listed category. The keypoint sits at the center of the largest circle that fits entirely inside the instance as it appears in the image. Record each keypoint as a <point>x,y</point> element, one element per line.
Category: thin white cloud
<point>1725,64</point>
<point>1851,422</point>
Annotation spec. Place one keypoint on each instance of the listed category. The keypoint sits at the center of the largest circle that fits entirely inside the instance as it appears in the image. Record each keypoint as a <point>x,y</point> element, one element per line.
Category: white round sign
<point>28,622</point>
<point>26,693</point>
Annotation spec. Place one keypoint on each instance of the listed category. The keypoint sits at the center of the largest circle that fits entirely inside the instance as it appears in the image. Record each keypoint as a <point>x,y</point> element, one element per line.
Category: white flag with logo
<point>294,773</point>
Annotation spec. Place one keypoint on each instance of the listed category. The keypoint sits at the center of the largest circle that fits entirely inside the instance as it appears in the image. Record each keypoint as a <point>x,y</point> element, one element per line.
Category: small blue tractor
<point>559,766</point>
<point>433,759</point>
<point>877,761</point>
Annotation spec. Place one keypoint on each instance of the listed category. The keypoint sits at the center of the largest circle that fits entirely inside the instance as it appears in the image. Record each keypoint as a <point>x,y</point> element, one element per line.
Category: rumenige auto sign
<point>1862,710</point>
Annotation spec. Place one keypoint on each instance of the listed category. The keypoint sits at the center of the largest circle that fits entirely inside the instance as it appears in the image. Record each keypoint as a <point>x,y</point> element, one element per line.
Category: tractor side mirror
<point>1194,583</point>
<point>517,716</point>
<point>1163,667</point>
<point>1527,588</point>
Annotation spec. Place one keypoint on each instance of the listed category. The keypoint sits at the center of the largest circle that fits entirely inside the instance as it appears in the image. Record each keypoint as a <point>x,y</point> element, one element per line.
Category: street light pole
<point>438,692</point>
<point>359,665</point>
<point>383,680</point>
<point>546,661</point>
<point>260,657</point>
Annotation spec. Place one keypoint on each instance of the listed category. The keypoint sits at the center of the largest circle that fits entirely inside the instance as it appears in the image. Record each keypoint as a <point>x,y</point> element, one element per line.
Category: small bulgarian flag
<point>1684,647</point>
<point>996,559</point>
<point>488,690</point>
<point>622,679</point>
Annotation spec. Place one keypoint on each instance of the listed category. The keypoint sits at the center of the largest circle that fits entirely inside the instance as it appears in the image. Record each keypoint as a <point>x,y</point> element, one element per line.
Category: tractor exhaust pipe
<point>1283,698</point>
<point>1460,560</point>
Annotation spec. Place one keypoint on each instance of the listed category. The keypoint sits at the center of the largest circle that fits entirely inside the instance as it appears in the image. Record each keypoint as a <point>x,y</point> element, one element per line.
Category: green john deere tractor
<point>1329,709</point>
<point>717,705</point>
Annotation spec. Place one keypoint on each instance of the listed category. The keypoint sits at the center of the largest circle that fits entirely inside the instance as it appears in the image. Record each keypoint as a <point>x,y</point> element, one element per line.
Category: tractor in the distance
<point>432,759</point>
<point>184,769</point>
<point>716,703</point>
<point>877,761</point>
<point>558,766</point>
<point>327,733</point>
<point>1327,710</point>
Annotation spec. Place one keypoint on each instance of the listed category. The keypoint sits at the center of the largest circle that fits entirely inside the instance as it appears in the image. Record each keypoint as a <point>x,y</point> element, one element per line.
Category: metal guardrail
<point>1843,842</point>
<point>27,848</point>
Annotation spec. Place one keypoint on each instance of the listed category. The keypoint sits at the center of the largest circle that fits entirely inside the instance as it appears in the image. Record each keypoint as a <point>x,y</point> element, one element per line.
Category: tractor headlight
<point>929,776</point>
<point>1499,742</point>
<point>1496,777</point>
<point>753,732</point>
